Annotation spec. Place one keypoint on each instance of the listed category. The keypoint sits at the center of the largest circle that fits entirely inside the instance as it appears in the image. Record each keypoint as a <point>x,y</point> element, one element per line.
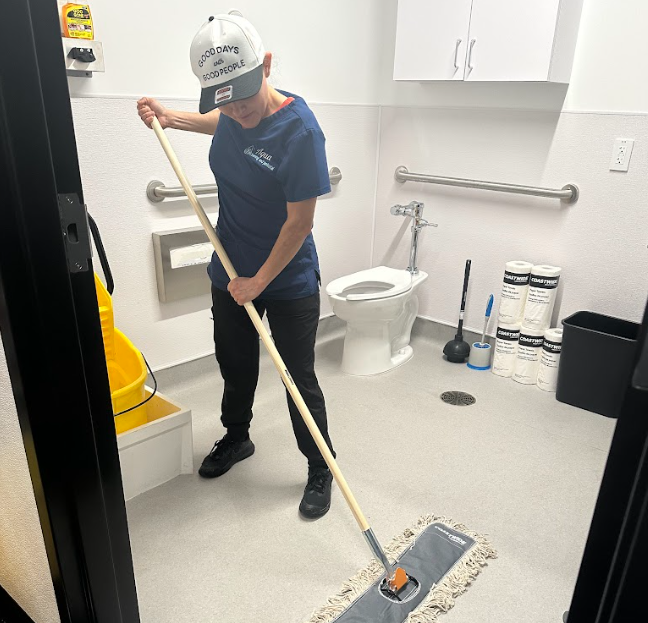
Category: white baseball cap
<point>227,57</point>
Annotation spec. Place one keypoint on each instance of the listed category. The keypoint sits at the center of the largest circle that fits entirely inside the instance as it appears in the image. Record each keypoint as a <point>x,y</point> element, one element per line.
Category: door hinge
<point>74,222</point>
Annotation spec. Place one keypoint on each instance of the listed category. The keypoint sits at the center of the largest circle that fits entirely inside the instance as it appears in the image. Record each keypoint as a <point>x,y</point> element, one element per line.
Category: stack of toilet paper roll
<point>523,335</point>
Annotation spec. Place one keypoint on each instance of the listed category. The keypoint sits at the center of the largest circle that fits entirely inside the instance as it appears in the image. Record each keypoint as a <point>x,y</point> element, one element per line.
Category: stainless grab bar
<point>567,194</point>
<point>156,191</point>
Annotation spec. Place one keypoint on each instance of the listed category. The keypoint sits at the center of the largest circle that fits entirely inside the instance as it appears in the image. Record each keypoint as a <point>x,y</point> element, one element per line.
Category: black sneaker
<point>317,494</point>
<point>225,453</point>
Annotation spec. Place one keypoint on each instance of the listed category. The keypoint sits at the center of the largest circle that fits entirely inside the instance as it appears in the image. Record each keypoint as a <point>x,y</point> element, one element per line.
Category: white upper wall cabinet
<point>432,39</point>
<point>486,40</point>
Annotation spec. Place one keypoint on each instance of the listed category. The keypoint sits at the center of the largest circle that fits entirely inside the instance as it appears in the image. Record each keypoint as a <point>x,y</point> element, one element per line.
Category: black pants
<point>293,325</point>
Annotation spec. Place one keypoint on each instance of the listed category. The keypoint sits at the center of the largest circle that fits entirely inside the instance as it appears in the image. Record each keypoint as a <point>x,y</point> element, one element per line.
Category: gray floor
<point>518,466</point>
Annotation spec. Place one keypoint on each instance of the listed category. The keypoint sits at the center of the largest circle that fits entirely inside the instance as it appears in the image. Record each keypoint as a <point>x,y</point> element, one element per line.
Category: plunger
<point>457,350</point>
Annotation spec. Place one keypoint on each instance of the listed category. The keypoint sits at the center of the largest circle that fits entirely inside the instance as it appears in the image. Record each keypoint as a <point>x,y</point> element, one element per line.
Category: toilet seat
<point>380,283</point>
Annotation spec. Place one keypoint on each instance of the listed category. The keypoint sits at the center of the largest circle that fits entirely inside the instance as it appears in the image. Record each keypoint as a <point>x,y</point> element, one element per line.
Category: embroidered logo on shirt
<point>260,155</point>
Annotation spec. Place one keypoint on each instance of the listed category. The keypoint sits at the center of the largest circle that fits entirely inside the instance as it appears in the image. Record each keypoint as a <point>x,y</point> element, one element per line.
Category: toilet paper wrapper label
<point>547,283</point>
<point>531,341</point>
<point>507,335</point>
<point>515,279</point>
<point>552,347</point>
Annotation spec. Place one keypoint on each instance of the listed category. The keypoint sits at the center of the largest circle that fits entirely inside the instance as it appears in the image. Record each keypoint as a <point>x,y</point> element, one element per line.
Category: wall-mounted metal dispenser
<point>181,258</point>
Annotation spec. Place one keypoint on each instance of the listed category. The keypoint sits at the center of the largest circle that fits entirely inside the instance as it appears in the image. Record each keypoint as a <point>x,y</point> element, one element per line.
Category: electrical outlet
<point>621,153</point>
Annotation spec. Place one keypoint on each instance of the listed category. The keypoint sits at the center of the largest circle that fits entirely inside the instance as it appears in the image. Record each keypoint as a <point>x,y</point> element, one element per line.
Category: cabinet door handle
<point>470,51</point>
<point>456,66</point>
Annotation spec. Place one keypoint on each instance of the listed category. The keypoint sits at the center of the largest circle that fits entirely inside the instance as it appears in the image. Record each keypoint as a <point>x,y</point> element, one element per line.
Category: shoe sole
<point>229,466</point>
<point>316,514</point>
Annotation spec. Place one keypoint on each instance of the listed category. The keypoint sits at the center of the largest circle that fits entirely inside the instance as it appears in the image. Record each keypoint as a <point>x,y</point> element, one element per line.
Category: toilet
<point>379,306</point>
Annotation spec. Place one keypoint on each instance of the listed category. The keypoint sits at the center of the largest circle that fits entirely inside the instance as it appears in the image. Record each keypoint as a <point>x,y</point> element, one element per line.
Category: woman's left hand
<point>244,289</point>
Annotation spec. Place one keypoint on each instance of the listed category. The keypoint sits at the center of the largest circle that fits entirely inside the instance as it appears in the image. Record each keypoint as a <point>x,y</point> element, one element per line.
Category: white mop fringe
<point>440,598</point>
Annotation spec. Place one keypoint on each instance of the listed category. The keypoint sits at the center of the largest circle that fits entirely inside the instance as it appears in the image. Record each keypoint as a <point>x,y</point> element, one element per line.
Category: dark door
<point>612,578</point>
<point>50,327</point>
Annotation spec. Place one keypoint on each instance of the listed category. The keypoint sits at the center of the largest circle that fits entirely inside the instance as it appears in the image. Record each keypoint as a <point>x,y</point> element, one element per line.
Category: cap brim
<point>243,87</point>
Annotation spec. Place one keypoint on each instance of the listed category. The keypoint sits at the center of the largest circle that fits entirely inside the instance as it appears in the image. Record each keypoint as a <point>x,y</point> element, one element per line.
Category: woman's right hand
<point>147,108</point>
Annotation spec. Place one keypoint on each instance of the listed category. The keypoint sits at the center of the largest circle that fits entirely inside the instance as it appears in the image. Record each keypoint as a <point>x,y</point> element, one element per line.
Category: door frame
<point>52,338</point>
<point>607,589</point>
<point>51,330</point>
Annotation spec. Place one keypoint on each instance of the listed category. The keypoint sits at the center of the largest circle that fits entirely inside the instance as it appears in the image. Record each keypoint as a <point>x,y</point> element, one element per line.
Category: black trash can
<point>596,361</point>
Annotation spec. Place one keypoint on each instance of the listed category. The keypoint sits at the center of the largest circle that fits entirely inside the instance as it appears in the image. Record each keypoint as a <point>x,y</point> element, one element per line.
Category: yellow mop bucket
<point>126,367</point>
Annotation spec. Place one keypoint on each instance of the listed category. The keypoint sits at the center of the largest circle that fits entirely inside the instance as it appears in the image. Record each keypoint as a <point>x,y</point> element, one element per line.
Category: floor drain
<point>460,399</point>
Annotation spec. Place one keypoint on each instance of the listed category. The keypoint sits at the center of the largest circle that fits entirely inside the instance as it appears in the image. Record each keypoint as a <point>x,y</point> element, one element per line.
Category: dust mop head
<point>444,557</point>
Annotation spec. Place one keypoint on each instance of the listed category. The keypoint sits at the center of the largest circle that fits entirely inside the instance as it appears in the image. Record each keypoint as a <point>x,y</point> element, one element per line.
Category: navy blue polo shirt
<point>257,171</point>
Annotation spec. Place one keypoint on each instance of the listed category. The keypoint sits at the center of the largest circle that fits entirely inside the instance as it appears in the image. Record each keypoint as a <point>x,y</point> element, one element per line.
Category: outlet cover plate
<point>621,153</point>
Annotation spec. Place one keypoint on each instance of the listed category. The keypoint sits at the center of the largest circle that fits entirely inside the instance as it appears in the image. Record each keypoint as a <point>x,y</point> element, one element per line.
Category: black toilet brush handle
<point>464,295</point>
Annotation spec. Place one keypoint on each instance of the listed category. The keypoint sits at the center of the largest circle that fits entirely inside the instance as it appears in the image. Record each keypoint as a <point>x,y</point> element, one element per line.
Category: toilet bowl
<point>379,306</point>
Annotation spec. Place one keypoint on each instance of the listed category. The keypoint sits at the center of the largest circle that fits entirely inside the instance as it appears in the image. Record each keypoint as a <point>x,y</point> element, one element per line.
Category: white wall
<point>611,58</point>
<point>322,50</point>
<point>473,130</point>
<point>24,570</point>
<point>119,156</point>
<point>600,242</point>
<point>343,66</point>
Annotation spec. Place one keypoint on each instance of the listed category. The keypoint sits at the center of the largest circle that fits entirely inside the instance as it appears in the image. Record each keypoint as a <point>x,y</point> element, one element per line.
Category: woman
<point>268,158</point>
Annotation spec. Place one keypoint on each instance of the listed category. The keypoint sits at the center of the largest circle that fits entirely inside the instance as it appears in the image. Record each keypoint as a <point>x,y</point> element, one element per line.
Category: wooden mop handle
<point>265,337</point>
